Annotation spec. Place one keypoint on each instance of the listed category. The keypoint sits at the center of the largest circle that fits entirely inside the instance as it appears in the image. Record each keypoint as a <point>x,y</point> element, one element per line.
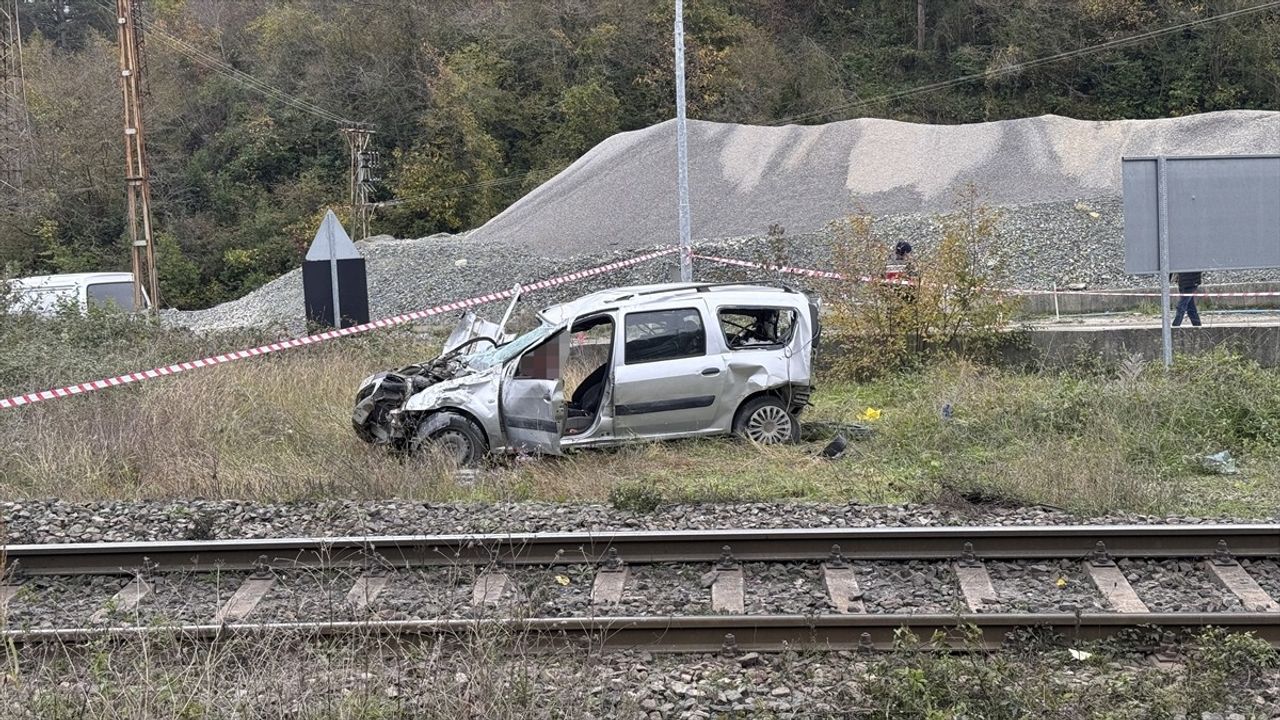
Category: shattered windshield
<point>500,355</point>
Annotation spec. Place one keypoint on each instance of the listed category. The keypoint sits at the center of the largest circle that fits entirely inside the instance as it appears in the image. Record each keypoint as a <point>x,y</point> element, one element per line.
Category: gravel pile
<point>53,521</point>
<point>745,178</point>
<point>1056,180</point>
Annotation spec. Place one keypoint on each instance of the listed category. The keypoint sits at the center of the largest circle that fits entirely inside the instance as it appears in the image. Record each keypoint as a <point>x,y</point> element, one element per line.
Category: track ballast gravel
<point>59,521</point>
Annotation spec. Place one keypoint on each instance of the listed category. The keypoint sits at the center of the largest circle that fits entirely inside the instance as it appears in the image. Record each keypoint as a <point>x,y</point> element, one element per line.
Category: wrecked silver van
<point>652,362</point>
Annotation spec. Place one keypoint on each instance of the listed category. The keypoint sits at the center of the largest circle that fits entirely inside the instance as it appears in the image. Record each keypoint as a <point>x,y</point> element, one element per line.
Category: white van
<point>44,294</point>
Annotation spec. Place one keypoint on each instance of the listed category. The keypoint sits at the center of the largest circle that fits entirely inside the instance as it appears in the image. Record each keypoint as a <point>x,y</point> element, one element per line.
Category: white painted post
<point>333,277</point>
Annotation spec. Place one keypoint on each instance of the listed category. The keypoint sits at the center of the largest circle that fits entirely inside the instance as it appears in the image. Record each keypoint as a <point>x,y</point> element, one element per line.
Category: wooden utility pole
<point>920,24</point>
<point>364,163</point>
<point>14,128</point>
<point>137,171</point>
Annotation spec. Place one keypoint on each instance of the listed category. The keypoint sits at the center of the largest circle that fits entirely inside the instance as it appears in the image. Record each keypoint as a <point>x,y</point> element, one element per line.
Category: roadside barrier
<point>127,378</point>
<point>830,275</point>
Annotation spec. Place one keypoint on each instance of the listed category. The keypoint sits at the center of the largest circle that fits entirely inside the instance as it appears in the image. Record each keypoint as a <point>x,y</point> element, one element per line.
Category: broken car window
<point>500,355</point>
<point>746,328</point>
<point>542,362</point>
<point>664,335</point>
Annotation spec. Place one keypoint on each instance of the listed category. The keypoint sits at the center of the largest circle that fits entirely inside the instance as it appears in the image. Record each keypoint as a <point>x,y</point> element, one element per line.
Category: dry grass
<point>270,427</point>
<point>283,675</point>
<point>479,675</point>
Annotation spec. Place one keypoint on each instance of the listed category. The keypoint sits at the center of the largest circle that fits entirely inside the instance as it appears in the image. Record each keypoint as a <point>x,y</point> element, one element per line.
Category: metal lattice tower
<point>14,125</point>
<point>137,171</point>
<point>364,165</point>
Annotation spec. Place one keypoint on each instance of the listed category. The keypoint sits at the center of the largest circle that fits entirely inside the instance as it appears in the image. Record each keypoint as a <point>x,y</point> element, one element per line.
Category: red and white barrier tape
<point>176,368</point>
<point>807,272</point>
<point>827,274</point>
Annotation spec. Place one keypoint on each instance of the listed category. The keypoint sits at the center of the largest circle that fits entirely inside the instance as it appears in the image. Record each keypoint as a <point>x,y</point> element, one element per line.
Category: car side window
<point>664,335</point>
<point>119,294</point>
<point>748,328</point>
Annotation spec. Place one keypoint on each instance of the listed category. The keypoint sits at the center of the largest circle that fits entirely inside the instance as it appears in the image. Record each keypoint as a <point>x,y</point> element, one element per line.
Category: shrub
<point>948,306</point>
<point>637,497</point>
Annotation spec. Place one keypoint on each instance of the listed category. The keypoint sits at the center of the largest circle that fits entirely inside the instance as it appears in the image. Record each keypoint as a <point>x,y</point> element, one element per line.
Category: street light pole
<point>682,152</point>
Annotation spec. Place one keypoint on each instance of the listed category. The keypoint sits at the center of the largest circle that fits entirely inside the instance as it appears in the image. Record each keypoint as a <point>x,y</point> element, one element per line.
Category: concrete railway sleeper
<point>691,591</point>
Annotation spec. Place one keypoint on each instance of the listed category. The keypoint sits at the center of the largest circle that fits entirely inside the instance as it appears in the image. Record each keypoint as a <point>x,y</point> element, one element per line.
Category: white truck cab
<point>44,294</point>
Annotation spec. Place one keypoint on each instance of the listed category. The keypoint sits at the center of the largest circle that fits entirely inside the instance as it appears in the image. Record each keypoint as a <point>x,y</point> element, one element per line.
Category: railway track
<point>590,588</point>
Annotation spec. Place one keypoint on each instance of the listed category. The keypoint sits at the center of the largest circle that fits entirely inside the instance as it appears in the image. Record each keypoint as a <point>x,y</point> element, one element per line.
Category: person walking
<point>1188,283</point>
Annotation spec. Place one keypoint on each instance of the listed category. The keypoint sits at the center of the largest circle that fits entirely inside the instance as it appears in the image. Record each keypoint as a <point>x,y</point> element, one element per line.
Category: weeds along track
<point>747,590</point>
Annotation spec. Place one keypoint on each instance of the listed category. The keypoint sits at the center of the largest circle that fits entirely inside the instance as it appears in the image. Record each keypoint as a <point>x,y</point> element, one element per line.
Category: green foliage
<point>1090,442</point>
<point>475,103</point>
<point>636,497</point>
<point>886,326</point>
<point>38,353</point>
<point>918,681</point>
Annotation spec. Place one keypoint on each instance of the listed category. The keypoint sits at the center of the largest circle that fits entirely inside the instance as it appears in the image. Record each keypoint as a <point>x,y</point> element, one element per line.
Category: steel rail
<point>704,633</point>
<point>864,544</point>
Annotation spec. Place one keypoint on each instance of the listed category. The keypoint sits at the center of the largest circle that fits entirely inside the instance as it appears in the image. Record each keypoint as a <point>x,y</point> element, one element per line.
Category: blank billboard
<point>1224,213</point>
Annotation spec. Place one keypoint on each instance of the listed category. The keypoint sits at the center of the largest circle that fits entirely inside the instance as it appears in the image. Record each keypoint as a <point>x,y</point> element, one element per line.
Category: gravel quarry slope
<point>1056,180</point>
<point>744,178</point>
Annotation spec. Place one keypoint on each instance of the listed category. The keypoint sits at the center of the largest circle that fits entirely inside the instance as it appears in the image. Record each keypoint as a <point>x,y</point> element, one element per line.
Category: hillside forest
<point>476,102</point>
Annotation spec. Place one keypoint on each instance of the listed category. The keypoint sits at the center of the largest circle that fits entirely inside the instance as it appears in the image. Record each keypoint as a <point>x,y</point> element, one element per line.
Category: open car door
<point>532,398</point>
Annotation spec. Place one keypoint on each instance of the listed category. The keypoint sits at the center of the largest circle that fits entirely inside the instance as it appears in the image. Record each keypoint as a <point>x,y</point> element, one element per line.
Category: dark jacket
<point>1188,281</point>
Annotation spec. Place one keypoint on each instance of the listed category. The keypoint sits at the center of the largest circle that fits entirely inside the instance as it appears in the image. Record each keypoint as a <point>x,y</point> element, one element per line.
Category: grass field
<point>276,428</point>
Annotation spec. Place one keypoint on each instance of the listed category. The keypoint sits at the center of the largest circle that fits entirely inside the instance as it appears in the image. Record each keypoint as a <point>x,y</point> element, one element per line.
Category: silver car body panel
<point>532,415</point>
<point>475,395</point>
<point>471,326</point>
<point>661,399</point>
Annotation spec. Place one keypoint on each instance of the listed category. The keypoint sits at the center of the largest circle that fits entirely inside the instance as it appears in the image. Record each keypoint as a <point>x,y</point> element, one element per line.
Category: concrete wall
<point>1062,347</point>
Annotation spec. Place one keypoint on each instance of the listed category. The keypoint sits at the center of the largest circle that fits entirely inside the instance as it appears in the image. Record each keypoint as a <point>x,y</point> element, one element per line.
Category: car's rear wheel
<point>455,437</point>
<point>766,420</point>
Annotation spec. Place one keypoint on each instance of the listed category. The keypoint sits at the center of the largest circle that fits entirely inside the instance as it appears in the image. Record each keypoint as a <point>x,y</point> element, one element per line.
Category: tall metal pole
<point>137,171</point>
<point>362,178</point>
<point>682,152</point>
<point>1162,199</point>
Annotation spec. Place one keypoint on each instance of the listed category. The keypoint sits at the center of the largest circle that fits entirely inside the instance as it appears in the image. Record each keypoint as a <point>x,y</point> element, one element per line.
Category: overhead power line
<point>1019,67</point>
<point>244,79</point>
<point>241,77</point>
<point>469,186</point>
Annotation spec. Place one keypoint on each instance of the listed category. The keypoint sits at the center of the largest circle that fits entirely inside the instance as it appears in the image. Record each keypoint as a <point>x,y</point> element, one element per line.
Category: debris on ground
<point>1220,463</point>
<point>840,434</point>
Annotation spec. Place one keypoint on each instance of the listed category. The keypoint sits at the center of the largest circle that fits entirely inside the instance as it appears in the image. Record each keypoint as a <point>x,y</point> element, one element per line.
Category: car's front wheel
<point>767,421</point>
<point>455,437</point>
